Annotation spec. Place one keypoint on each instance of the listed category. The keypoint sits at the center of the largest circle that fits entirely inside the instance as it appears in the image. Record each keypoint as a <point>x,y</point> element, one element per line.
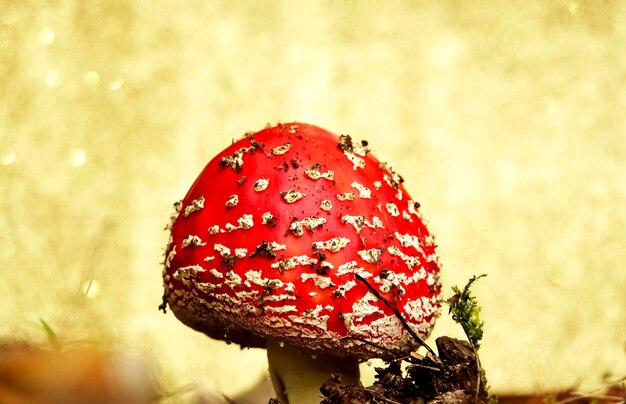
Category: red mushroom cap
<point>269,238</point>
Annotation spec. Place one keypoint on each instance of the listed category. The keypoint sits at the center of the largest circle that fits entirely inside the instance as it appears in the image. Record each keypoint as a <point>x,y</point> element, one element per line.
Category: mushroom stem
<point>297,375</point>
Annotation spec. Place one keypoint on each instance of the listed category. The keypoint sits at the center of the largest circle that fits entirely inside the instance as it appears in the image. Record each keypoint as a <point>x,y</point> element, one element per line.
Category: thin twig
<point>395,310</point>
<point>419,365</point>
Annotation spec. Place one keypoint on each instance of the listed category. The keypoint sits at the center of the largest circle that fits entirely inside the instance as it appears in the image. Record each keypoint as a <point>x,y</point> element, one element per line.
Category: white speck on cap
<point>206,287</point>
<point>346,196</point>
<point>406,216</point>
<point>342,289</point>
<point>408,240</point>
<point>241,252</point>
<point>410,261</point>
<point>232,279</point>
<point>261,184</point>
<point>292,196</point>
<point>267,218</point>
<point>364,307</point>
<point>320,281</point>
<point>170,257</point>
<point>194,206</point>
<point>192,241</point>
<point>359,222</point>
<point>245,222</point>
<point>326,205</point>
<point>216,273</point>
<point>392,208</point>
<point>222,249</point>
<point>364,192</point>
<point>372,256</point>
<point>184,274</point>
<point>292,262</point>
<point>310,223</point>
<point>399,195</point>
<point>315,172</point>
<point>357,161</point>
<point>352,268</point>
<point>280,150</point>
<point>391,280</point>
<point>235,161</point>
<point>333,245</point>
<point>232,201</point>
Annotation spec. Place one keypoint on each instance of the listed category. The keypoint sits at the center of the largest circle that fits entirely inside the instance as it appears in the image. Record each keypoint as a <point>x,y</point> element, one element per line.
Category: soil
<point>452,377</point>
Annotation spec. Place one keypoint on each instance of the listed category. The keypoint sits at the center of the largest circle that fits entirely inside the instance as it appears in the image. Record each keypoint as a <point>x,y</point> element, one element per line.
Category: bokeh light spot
<point>46,36</point>
<point>53,78</point>
<point>91,79</point>
<point>78,158</point>
<point>7,156</point>
<point>115,85</point>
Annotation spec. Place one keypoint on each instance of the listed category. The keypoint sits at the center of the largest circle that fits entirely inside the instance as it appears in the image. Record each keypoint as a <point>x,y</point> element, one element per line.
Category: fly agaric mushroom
<point>272,246</point>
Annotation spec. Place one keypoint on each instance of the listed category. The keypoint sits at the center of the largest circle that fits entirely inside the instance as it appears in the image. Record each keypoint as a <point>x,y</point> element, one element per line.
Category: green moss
<point>466,312</point>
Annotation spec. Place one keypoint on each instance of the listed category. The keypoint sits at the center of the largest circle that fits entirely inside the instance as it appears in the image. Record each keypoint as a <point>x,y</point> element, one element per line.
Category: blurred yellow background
<point>507,120</point>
